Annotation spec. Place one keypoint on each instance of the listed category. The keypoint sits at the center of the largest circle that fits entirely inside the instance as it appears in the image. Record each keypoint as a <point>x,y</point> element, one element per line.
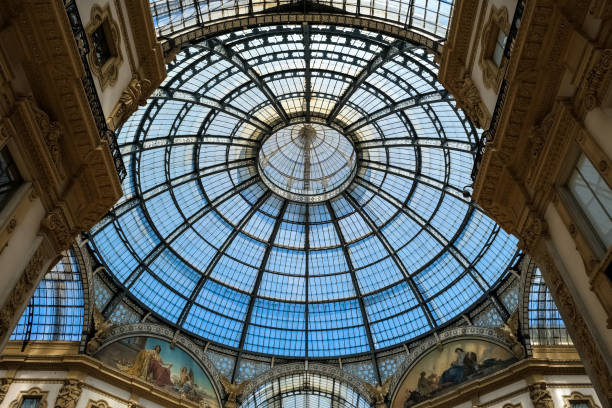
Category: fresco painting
<point>448,366</point>
<point>170,368</point>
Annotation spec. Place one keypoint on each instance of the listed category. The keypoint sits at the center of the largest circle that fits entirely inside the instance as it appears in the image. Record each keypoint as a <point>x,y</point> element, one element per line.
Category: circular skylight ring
<point>307,162</point>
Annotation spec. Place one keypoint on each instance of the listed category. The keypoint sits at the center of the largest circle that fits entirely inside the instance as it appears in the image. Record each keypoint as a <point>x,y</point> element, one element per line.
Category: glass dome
<point>394,250</point>
<point>306,162</point>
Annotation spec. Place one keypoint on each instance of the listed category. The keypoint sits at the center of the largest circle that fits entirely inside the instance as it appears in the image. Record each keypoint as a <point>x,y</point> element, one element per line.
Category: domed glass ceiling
<point>201,239</point>
<point>306,162</point>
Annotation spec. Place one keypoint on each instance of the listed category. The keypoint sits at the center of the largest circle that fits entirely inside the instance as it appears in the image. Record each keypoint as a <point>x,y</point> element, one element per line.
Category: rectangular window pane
<point>594,197</point>
<point>500,44</point>
<point>30,402</point>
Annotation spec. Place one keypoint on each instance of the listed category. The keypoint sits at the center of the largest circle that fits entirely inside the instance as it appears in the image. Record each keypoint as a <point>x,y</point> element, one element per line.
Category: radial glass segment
<point>213,233</point>
<point>307,162</point>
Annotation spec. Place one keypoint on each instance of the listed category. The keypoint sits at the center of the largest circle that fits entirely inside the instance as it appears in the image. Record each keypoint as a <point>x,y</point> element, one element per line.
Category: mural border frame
<point>160,332</point>
<point>491,334</point>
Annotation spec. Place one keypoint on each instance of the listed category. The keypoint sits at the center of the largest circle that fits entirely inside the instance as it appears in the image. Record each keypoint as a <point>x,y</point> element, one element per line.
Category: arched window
<point>56,310</point>
<point>305,390</point>
<point>546,327</point>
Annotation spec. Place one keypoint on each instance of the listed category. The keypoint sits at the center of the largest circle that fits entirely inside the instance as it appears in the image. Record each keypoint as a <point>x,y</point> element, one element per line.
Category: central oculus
<point>307,162</point>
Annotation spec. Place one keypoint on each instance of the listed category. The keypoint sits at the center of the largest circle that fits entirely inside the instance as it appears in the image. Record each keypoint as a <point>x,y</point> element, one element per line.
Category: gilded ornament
<point>540,396</point>
<point>379,392</point>
<point>510,330</point>
<point>69,394</point>
<point>233,391</point>
<point>102,327</point>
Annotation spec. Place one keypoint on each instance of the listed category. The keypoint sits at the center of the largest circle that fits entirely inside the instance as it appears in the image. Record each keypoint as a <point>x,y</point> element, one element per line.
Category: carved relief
<point>104,404</point>
<point>232,390</point>
<point>134,95</point>
<point>57,227</point>
<point>510,330</point>
<point>69,394</point>
<point>540,396</point>
<point>578,397</point>
<point>31,393</point>
<point>51,132</point>
<point>597,81</point>
<point>379,392</point>
<point>498,21</point>
<point>6,384</point>
<point>102,28</point>
<point>468,98</point>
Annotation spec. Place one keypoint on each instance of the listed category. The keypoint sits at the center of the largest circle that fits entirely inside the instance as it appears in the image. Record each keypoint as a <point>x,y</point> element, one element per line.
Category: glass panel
<point>594,196</point>
<point>360,222</point>
<point>500,44</point>
<point>30,402</point>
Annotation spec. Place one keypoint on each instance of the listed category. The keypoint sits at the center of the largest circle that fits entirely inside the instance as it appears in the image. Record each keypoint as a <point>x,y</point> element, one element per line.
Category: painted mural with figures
<point>448,366</point>
<point>155,361</point>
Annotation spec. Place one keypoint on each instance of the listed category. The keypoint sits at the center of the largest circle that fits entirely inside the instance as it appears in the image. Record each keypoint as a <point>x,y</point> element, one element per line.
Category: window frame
<point>497,22</point>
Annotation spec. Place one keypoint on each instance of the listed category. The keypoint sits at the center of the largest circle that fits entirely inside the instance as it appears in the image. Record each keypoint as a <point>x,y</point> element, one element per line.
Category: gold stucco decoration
<point>109,71</point>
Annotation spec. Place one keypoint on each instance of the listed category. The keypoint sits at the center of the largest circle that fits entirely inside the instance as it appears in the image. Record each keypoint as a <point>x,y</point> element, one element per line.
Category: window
<point>30,402</point>
<point>493,43</point>
<point>105,48</point>
<point>101,49</point>
<point>594,197</point>
<point>500,45</point>
<point>580,404</point>
<point>10,178</point>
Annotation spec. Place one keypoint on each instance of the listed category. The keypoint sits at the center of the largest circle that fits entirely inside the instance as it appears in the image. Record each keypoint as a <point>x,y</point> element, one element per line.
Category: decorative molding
<point>493,74</point>
<point>519,405</point>
<point>468,98</point>
<point>107,73</point>
<point>5,384</point>
<point>540,396</point>
<point>32,392</point>
<point>69,394</point>
<point>596,83</point>
<point>578,397</point>
<point>102,404</point>
<point>133,96</point>
<point>118,333</point>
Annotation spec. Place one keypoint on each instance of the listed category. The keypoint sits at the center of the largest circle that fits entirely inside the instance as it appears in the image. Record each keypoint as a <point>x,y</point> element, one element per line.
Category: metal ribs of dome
<point>202,242</point>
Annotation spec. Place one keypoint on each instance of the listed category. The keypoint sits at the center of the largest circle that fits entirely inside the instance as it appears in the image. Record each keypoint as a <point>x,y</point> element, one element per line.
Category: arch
<point>492,335</point>
<point>174,338</point>
<point>323,370</point>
